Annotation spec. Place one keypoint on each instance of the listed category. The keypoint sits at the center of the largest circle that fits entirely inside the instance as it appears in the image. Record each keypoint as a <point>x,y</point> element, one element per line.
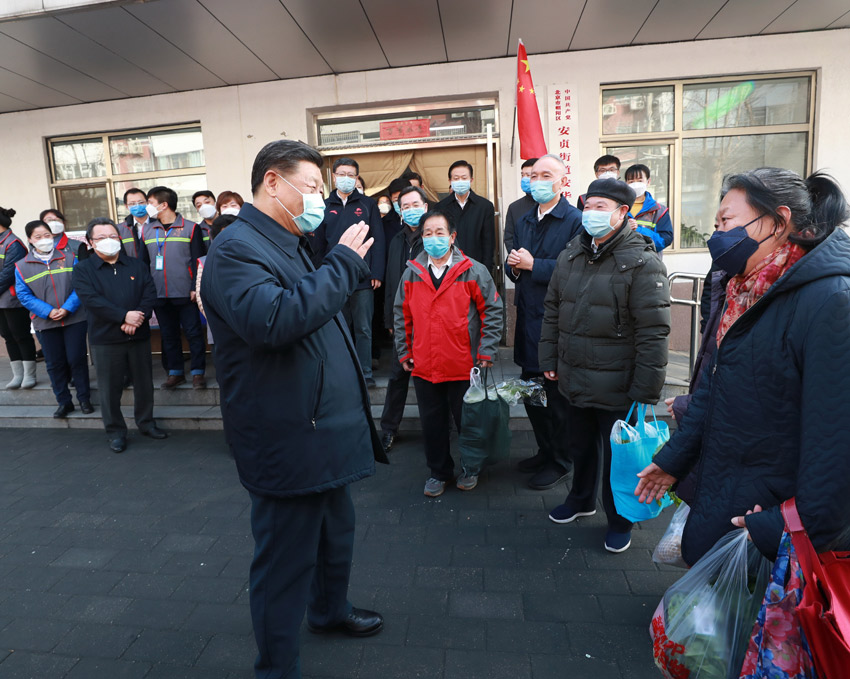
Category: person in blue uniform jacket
<point>648,217</point>
<point>294,401</point>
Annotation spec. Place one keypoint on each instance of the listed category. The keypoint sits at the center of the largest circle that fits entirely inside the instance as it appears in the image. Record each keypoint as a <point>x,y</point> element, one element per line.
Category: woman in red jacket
<point>447,317</point>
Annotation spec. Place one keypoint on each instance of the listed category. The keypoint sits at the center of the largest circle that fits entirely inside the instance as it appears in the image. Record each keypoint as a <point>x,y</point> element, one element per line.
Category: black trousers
<point>438,401</point>
<point>15,330</point>
<point>589,441</point>
<point>396,397</point>
<point>549,423</point>
<point>173,314</point>
<point>302,561</point>
<point>66,356</point>
<point>112,363</point>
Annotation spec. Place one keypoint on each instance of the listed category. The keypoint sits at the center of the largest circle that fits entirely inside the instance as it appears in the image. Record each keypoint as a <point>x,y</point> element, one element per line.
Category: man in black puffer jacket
<point>604,339</point>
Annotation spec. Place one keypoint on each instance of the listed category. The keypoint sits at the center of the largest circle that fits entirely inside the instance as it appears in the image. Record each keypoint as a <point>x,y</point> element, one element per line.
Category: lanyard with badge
<point>160,259</point>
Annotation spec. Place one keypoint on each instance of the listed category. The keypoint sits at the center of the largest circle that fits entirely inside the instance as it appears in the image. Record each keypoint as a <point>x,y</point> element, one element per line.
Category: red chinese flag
<point>531,141</point>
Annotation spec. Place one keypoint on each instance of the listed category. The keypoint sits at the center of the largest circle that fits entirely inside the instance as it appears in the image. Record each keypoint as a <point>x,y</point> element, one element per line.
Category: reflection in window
<point>78,159</point>
<point>151,152</point>
<point>706,160</point>
<point>656,158</point>
<point>80,204</point>
<point>632,111</point>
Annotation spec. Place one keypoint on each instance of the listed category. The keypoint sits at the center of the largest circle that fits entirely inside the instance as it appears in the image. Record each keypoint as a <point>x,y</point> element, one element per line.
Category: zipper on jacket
<point>318,402</point>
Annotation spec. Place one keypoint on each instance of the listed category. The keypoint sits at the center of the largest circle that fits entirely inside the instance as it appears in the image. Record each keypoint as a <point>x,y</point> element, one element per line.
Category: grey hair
<point>558,158</point>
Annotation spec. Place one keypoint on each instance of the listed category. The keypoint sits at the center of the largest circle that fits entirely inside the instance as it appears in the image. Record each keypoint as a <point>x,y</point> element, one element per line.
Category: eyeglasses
<point>103,238</point>
<point>351,175</point>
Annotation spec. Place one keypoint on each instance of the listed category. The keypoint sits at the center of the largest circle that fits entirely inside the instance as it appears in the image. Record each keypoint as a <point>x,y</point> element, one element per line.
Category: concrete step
<point>175,417</point>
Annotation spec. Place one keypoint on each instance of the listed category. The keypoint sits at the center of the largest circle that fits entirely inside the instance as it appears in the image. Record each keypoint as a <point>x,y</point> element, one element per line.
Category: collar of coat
<point>628,248</point>
<point>32,258</point>
<point>458,263</point>
<point>334,198</point>
<point>269,229</point>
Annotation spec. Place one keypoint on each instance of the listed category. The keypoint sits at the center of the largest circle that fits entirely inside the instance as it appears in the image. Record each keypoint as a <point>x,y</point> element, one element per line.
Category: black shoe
<point>358,623</point>
<point>531,464</point>
<point>387,440</point>
<point>155,433</point>
<point>548,477</point>
<point>118,444</point>
<point>370,382</point>
<point>63,410</point>
<point>86,408</point>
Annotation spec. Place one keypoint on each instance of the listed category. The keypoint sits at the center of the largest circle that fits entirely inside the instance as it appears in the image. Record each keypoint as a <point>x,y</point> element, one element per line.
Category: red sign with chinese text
<point>405,129</point>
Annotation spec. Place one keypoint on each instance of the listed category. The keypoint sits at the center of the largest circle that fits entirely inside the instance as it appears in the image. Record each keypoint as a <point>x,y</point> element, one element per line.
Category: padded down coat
<point>771,417</point>
<point>606,320</point>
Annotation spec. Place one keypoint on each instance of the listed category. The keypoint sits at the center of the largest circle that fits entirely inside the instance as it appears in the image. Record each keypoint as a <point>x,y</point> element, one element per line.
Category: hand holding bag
<point>485,435</point>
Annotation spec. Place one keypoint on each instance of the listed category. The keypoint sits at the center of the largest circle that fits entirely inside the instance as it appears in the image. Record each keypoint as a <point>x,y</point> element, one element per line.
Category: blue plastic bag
<point>632,449</point>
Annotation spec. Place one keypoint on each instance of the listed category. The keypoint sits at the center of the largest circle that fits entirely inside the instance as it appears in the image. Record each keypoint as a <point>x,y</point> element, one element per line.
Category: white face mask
<point>384,208</point>
<point>230,211</point>
<point>56,227</point>
<point>206,211</point>
<point>44,245</point>
<point>108,247</point>
<point>153,211</point>
<point>610,174</point>
<point>638,187</point>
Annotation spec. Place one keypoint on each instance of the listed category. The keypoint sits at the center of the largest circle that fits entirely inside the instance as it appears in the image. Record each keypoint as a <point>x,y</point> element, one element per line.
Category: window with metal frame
<point>691,133</point>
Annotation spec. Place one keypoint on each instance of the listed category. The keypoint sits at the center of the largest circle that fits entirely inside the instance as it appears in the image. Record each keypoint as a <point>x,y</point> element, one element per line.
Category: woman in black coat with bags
<point>769,420</point>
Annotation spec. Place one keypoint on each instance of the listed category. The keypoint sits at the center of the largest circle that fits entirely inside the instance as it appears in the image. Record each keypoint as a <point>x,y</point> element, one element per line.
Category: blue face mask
<point>437,246</point>
<point>139,211</point>
<point>597,224</point>
<point>412,215</point>
<point>314,210</point>
<point>731,250</point>
<point>525,184</point>
<point>345,184</point>
<point>396,208</point>
<point>542,192</point>
<point>461,187</point>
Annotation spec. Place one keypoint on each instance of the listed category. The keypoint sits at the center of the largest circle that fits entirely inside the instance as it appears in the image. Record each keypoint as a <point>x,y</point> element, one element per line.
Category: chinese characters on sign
<point>563,138</point>
<point>405,129</point>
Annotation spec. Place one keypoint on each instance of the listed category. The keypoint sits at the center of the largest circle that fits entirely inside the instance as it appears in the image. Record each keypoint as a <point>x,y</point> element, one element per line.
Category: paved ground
<point>135,565</point>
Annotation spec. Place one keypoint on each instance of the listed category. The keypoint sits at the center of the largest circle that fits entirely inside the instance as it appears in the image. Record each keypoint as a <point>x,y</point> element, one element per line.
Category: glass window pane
<point>78,159</point>
<point>80,204</point>
<point>643,109</point>
<point>152,151</point>
<point>778,101</point>
<point>184,185</point>
<point>656,158</point>
<point>706,161</point>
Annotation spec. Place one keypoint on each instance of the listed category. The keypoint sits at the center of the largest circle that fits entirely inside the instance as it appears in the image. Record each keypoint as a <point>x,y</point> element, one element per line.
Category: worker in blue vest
<point>648,217</point>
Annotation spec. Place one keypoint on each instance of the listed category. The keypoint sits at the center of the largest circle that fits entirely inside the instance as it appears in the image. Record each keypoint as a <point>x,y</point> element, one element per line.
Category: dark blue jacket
<point>545,240</point>
<point>769,420</point>
<point>339,217</point>
<point>654,222</point>
<point>15,252</point>
<point>295,406</point>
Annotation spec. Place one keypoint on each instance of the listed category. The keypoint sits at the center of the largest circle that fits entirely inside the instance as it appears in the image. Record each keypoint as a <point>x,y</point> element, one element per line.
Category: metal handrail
<point>695,304</point>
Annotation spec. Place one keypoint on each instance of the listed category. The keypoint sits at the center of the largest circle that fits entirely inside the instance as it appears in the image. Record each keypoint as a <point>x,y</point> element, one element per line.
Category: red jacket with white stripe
<point>446,329</point>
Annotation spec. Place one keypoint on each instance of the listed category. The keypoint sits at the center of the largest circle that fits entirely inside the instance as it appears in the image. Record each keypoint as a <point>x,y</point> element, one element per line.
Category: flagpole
<point>513,136</point>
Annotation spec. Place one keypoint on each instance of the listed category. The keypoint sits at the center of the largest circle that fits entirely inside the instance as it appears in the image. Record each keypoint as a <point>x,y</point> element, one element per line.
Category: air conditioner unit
<point>637,104</point>
<point>135,147</point>
<point>609,109</point>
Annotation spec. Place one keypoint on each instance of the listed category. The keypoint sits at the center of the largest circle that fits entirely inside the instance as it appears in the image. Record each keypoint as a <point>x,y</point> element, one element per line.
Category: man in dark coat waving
<point>294,402</point>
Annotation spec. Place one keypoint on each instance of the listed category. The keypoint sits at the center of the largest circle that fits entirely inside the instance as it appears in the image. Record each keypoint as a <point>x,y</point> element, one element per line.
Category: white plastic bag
<point>669,548</point>
<point>475,393</point>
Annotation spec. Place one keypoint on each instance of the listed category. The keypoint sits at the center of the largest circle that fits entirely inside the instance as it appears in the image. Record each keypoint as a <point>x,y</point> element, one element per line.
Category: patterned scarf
<point>744,291</point>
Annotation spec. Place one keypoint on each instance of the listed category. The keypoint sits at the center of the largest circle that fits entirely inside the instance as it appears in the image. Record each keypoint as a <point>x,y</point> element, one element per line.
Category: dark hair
<point>606,160</point>
<point>437,212</point>
<point>528,163</point>
<point>220,223</point>
<point>226,197</point>
<point>410,174</point>
<point>46,212</point>
<point>636,170</point>
<point>413,189</point>
<point>205,193</point>
<point>99,221</point>
<point>397,184</point>
<point>133,189</point>
<point>33,225</point>
<point>347,161</point>
<point>6,215</point>
<point>460,163</point>
<point>817,204</point>
<point>282,156</point>
<point>163,194</point>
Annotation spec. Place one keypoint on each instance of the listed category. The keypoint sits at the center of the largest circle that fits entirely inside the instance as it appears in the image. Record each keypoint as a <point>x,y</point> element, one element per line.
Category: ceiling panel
<point>610,23</point>
<point>544,26</point>
<point>9,104</point>
<point>30,63</point>
<point>340,31</point>
<point>187,24</point>
<point>123,34</point>
<point>271,33</point>
<point>476,29</point>
<point>32,92</point>
<point>841,22</point>
<point>744,17</point>
<point>410,33</point>
<point>808,15</point>
<point>52,37</point>
<point>673,20</point>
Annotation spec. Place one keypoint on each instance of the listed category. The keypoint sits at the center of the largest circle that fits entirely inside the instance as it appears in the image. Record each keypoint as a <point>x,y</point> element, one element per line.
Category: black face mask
<point>730,250</point>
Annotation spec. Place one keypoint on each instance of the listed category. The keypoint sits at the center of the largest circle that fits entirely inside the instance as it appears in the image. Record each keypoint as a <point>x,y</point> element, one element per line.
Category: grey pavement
<point>136,565</point>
